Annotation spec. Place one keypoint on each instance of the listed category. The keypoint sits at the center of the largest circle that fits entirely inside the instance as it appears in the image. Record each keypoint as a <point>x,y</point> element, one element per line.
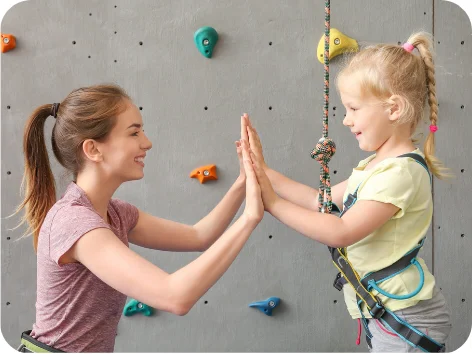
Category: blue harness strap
<point>364,286</point>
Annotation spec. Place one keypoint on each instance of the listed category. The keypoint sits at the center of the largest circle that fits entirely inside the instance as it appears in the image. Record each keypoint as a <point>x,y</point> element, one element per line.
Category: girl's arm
<point>359,222</point>
<point>285,187</point>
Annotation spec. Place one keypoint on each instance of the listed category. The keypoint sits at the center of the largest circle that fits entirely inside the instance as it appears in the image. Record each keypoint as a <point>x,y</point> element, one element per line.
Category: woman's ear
<point>91,150</point>
<point>396,108</point>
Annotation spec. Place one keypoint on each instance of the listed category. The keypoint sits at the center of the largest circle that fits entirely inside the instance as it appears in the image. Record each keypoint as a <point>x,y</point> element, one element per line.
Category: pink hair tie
<point>433,128</point>
<point>408,47</point>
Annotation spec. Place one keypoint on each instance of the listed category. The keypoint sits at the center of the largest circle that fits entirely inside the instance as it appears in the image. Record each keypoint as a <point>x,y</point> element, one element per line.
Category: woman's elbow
<point>181,310</point>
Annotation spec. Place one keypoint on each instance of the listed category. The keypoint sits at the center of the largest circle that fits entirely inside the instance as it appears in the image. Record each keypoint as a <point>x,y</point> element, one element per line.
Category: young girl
<point>388,203</point>
<point>85,269</point>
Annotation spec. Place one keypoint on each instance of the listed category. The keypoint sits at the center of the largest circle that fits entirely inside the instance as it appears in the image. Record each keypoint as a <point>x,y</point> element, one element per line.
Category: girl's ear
<point>396,108</point>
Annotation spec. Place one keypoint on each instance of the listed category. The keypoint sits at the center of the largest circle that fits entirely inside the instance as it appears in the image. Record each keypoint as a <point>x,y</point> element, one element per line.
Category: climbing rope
<point>325,148</point>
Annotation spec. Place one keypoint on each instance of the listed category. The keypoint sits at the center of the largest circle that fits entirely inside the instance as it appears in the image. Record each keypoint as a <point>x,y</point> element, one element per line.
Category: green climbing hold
<point>135,306</point>
<point>205,39</point>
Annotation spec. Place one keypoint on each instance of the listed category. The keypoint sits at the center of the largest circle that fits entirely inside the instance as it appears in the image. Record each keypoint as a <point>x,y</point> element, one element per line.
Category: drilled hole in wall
<point>462,171</point>
<point>8,107</point>
<point>89,56</point>
<point>462,107</point>
<point>463,300</point>
<point>439,42</point>
<point>462,235</point>
<point>8,172</point>
<point>8,303</point>
<point>115,32</point>
<point>462,42</point>
<point>73,42</point>
<point>206,108</point>
<point>140,108</point>
<point>334,108</point>
<point>116,61</point>
<point>206,302</point>
<point>334,114</point>
<point>90,14</point>
<point>115,6</point>
<point>270,236</point>
<point>270,108</point>
<point>270,43</point>
<point>335,301</point>
<point>425,12</point>
<point>140,43</point>
<point>439,227</point>
<point>8,238</point>
<point>335,171</point>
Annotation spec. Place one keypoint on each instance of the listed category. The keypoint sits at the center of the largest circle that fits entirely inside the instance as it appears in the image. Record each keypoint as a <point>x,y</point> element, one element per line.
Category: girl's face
<point>124,149</point>
<point>366,116</point>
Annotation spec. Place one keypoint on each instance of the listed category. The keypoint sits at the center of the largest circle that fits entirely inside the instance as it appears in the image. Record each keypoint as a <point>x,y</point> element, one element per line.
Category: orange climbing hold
<point>8,42</point>
<point>204,173</point>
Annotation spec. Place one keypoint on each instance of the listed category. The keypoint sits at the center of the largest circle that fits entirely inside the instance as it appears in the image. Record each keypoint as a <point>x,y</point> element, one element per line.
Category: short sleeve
<point>68,225</point>
<point>127,213</point>
<point>392,183</point>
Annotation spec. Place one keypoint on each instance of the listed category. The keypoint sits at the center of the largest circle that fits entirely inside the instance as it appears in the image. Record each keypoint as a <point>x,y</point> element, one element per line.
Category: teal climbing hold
<point>135,306</point>
<point>205,39</point>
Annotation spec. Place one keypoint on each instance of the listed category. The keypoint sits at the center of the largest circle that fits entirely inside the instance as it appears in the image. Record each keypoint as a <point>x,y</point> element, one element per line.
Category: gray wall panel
<point>173,82</point>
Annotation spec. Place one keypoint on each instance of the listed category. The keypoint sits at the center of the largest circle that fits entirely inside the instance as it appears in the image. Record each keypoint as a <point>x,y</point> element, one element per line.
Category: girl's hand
<point>254,141</point>
<point>269,197</point>
<point>254,209</point>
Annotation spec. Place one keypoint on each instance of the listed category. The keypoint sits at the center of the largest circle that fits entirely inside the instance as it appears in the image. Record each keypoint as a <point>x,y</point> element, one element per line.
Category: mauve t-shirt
<point>75,310</point>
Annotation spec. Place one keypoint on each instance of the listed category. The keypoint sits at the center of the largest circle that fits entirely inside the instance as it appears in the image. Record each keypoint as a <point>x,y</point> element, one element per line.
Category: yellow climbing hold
<point>338,43</point>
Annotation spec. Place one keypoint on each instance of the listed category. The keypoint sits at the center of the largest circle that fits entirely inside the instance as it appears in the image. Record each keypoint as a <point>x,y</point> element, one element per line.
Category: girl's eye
<point>135,134</point>
<point>353,109</point>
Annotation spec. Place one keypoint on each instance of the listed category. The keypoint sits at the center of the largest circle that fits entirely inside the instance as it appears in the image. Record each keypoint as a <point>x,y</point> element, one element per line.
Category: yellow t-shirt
<point>405,183</point>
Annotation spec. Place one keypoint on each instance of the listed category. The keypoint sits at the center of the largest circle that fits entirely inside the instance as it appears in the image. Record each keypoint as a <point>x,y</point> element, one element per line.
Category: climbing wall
<point>265,64</point>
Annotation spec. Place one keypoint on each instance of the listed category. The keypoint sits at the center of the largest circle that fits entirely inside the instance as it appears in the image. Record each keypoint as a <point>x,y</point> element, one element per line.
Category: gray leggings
<point>429,316</point>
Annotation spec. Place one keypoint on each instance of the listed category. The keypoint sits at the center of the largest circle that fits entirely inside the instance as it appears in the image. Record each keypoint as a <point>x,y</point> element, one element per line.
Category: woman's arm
<point>157,233</point>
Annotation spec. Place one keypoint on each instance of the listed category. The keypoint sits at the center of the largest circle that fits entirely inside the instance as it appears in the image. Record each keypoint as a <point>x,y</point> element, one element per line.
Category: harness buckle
<point>338,283</point>
<point>378,310</point>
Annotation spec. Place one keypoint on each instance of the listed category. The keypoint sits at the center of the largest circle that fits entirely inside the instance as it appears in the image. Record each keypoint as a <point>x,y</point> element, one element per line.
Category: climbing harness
<point>323,152</point>
<point>31,345</point>
<point>365,285</point>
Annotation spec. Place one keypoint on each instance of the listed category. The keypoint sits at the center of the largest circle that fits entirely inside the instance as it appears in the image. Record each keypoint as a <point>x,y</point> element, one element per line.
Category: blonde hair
<point>384,70</point>
<point>86,113</point>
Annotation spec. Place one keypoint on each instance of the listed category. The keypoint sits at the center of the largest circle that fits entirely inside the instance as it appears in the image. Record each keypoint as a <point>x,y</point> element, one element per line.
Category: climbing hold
<point>204,173</point>
<point>135,306</point>
<point>8,42</point>
<point>266,306</point>
<point>205,39</point>
<point>338,44</point>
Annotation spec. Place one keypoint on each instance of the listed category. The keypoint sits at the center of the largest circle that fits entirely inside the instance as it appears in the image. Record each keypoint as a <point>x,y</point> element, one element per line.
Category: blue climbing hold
<point>266,306</point>
<point>205,39</point>
<point>135,306</point>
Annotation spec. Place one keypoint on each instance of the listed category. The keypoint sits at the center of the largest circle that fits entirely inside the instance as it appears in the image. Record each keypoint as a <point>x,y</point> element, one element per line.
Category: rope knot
<point>324,150</point>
